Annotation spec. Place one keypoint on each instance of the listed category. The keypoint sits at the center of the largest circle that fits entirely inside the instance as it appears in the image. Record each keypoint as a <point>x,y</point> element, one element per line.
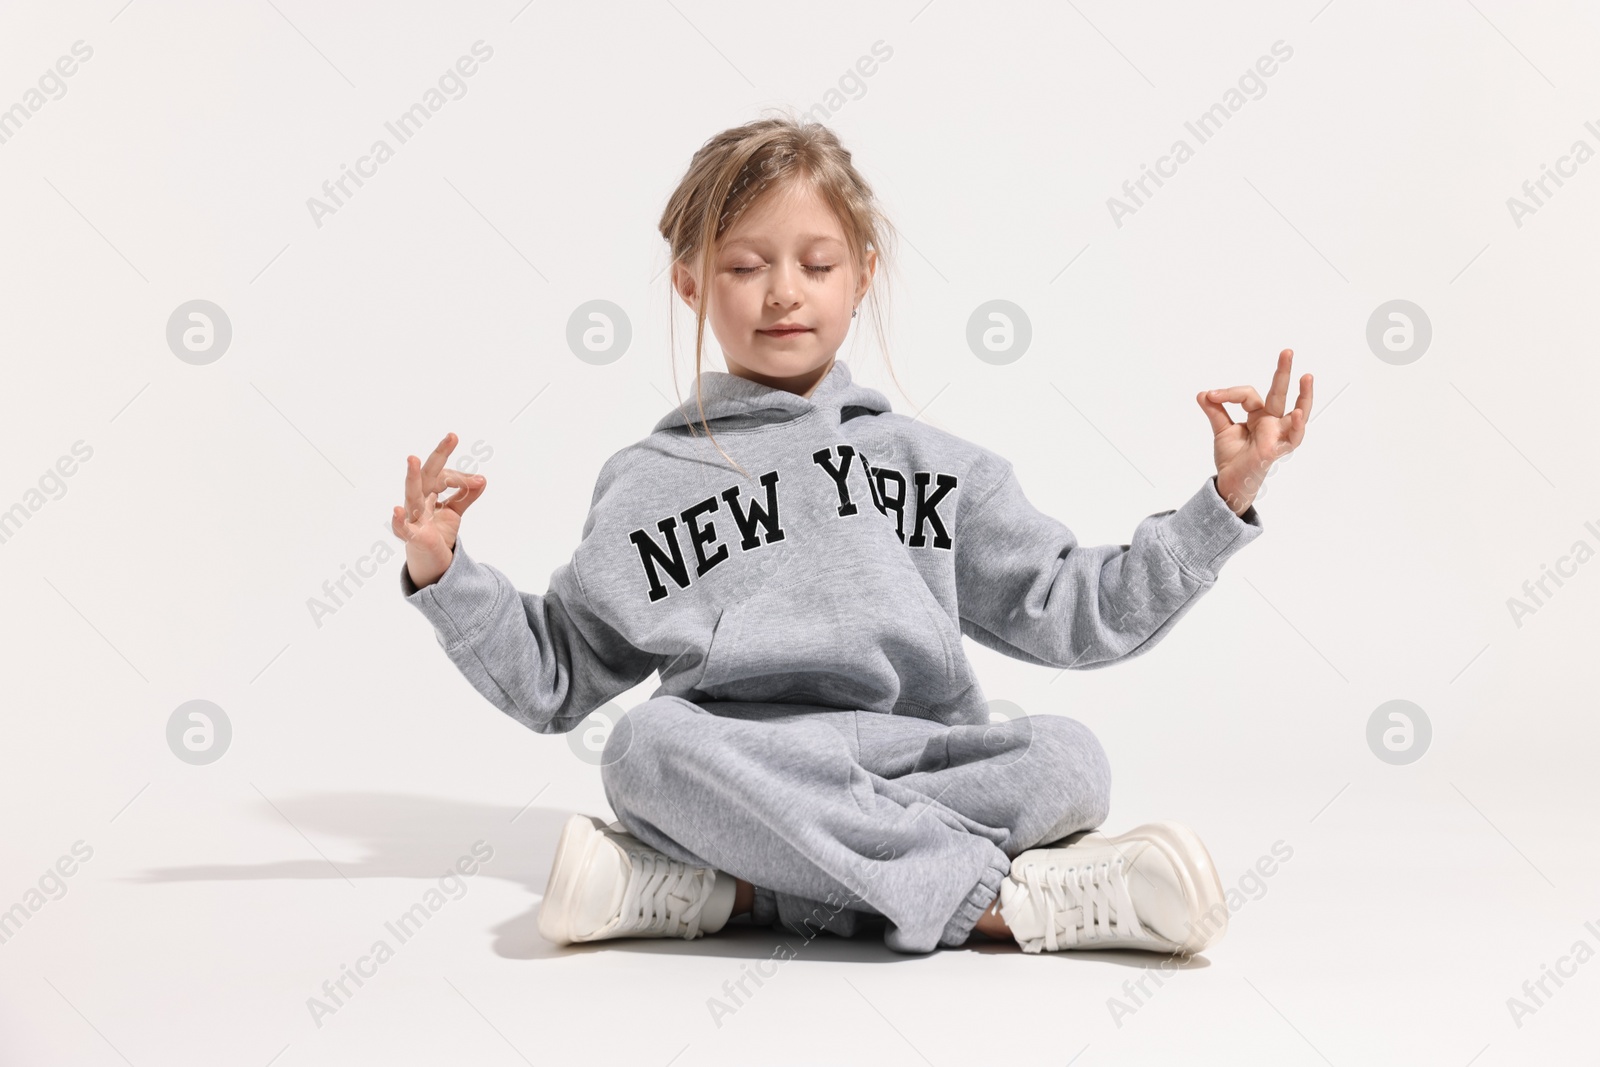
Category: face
<point>783,289</point>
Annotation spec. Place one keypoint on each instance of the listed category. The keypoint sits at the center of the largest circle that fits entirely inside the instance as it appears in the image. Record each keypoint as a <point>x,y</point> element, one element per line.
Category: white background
<point>179,561</point>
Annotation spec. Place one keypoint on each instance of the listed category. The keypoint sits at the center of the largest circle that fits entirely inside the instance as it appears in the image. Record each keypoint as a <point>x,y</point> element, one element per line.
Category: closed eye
<point>812,269</point>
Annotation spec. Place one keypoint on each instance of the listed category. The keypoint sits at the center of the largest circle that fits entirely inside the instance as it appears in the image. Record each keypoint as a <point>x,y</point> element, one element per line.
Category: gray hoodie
<point>842,572</point>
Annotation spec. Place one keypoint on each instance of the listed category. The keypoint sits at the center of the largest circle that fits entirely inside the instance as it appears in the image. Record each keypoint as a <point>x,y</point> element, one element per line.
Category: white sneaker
<point>606,883</point>
<point>1153,888</point>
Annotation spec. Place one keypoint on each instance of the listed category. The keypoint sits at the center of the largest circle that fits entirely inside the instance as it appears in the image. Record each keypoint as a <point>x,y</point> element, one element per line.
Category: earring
<point>853,312</point>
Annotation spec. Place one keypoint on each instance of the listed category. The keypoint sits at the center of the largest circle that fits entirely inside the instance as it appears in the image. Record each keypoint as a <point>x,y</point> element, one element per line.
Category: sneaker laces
<point>664,896</point>
<point>1084,904</point>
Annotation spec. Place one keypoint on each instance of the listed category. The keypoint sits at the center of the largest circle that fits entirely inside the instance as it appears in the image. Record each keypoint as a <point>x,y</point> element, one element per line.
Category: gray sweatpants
<point>840,817</point>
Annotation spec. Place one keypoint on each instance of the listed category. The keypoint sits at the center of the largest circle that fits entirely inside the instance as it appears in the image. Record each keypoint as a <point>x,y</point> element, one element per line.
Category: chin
<point>782,364</point>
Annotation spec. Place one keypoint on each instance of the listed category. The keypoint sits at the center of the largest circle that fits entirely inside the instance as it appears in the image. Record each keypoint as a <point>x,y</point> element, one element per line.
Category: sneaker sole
<point>1202,887</point>
<point>578,838</point>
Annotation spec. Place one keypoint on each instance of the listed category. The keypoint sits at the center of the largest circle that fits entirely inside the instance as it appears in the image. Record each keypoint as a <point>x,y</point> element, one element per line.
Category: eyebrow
<point>811,238</point>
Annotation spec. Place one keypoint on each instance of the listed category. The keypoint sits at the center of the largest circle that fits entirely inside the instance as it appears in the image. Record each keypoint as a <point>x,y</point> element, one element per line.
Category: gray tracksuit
<point>838,576</point>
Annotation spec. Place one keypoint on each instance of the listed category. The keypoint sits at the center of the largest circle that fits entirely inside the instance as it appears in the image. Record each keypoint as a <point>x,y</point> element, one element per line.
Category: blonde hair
<point>735,169</point>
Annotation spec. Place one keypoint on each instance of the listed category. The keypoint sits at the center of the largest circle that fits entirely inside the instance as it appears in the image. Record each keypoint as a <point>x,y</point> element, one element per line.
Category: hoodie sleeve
<point>546,661</point>
<point>1025,587</point>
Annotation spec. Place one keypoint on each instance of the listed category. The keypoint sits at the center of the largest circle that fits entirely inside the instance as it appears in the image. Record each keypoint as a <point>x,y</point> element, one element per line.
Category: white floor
<point>1380,940</point>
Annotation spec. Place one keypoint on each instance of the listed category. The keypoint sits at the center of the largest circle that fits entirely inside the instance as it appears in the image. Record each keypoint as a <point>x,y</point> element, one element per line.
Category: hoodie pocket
<point>868,636</point>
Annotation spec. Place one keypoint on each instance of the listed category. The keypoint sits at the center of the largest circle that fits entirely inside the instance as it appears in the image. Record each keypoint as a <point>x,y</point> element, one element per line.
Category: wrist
<point>425,569</point>
<point>1234,496</point>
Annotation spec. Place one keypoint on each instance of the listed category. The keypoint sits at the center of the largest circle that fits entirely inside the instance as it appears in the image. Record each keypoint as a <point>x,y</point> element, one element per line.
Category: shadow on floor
<point>410,836</point>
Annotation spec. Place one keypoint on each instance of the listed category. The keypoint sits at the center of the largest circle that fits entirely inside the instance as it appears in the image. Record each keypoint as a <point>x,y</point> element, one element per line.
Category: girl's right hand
<point>427,524</point>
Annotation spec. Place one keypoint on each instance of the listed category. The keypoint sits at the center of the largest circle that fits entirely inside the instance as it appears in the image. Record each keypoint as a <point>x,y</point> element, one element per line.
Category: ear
<point>864,281</point>
<point>683,280</point>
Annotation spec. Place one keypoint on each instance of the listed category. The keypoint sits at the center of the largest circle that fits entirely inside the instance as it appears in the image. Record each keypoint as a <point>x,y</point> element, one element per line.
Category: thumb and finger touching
<point>423,509</point>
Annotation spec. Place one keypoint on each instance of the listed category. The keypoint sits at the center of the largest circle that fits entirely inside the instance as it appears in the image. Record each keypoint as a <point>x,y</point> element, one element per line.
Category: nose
<point>783,286</point>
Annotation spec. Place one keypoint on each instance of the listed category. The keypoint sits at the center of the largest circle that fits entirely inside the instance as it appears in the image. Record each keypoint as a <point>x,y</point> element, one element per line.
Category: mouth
<point>786,331</point>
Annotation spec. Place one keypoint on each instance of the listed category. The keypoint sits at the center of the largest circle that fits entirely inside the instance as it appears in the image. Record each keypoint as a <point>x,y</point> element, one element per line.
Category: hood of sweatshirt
<point>735,403</point>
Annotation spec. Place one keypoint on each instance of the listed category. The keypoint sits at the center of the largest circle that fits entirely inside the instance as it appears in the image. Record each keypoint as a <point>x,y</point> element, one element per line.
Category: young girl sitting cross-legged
<point>799,563</point>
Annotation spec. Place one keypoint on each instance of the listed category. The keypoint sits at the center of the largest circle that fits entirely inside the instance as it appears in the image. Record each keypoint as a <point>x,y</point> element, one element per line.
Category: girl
<point>819,753</point>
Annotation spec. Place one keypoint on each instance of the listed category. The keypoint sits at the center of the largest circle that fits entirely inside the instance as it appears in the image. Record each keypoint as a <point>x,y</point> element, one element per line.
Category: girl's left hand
<point>1245,450</point>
